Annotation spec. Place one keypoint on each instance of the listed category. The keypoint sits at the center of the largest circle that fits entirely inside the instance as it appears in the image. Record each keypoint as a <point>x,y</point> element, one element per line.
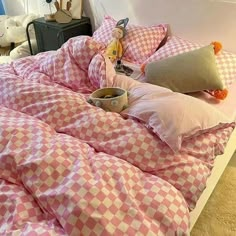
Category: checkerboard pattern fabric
<point>73,169</point>
<point>64,66</point>
<point>140,41</point>
<point>76,190</point>
<point>69,113</point>
<point>97,71</point>
<point>225,61</point>
<point>21,215</point>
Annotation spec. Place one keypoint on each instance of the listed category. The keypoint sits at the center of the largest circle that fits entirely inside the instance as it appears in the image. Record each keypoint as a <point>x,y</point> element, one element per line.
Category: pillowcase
<point>174,117</point>
<point>225,61</point>
<point>142,41</point>
<point>187,72</point>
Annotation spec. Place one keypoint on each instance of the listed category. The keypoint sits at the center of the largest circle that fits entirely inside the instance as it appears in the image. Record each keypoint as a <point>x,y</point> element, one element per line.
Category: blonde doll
<point>114,49</point>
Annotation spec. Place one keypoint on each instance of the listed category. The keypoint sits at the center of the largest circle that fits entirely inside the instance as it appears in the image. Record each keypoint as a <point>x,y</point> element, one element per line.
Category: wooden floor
<point>233,161</point>
<point>209,219</point>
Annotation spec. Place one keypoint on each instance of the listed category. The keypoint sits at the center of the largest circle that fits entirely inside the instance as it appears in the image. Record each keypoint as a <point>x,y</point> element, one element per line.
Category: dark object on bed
<point>123,69</point>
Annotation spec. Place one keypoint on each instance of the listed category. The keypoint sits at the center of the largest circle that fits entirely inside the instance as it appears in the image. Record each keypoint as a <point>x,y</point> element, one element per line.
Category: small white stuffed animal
<point>23,50</point>
<point>13,30</point>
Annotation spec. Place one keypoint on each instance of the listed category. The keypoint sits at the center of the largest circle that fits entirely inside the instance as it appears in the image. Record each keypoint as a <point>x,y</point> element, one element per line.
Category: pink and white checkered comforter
<point>69,168</point>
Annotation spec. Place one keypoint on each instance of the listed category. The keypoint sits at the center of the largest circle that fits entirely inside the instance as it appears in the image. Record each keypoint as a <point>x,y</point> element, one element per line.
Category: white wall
<point>13,7</point>
<point>201,21</point>
<point>197,20</point>
<point>18,7</point>
<point>96,9</point>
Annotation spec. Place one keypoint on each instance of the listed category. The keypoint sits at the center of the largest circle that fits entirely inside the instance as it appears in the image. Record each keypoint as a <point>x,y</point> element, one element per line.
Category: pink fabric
<point>63,67</point>
<point>226,61</point>
<point>141,41</point>
<point>172,116</point>
<point>74,169</point>
<point>226,106</point>
<point>76,190</point>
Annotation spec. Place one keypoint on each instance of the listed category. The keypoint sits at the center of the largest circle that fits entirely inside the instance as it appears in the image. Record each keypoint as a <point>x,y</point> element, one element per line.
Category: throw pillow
<point>225,61</point>
<point>187,72</point>
<point>139,43</point>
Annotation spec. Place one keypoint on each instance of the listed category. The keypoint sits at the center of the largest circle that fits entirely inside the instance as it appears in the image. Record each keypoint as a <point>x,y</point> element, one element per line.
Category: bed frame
<point>200,21</point>
<point>221,162</point>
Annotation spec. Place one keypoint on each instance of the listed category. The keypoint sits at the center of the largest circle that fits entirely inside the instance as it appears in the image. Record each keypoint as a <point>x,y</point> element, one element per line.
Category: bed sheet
<point>226,106</point>
<point>70,168</point>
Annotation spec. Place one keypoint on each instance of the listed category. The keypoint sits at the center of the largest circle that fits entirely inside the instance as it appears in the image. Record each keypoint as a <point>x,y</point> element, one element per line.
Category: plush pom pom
<point>221,94</point>
<point>142,68</point>
<point>217,46</point>
<point>218,94</point>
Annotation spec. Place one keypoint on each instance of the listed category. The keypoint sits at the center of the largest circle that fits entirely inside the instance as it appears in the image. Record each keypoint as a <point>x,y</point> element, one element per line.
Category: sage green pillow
<point>187,72</point>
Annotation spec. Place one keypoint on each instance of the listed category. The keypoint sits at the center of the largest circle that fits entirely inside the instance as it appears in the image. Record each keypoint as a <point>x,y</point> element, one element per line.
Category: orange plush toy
<point>219,94</point>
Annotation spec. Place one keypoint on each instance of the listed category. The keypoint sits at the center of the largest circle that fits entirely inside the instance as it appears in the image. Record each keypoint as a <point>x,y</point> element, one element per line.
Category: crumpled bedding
<point>69,168</point>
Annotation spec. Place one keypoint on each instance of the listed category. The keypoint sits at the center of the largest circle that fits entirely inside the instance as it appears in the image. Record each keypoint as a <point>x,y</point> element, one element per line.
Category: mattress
<point>71,168</point>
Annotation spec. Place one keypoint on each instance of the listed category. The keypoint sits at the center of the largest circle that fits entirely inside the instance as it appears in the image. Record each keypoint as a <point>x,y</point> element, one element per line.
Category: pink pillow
<point>142,41</point>
<point>226,61</point>
<point>174,117</point>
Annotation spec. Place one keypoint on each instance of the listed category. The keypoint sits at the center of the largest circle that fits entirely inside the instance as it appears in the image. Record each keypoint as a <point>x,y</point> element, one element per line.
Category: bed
<point>196,21</point>
<point>71,168</point>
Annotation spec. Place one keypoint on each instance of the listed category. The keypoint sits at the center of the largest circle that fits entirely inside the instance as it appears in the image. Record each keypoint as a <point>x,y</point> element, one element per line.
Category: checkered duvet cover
<point>69,168</point>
